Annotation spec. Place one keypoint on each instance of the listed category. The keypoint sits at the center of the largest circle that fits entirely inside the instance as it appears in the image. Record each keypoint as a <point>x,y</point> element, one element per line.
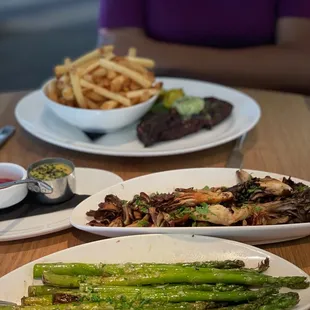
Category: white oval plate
<point>167,181</point>
<point>154,248</point>
<point>41,122</point>
<point>88,182</point>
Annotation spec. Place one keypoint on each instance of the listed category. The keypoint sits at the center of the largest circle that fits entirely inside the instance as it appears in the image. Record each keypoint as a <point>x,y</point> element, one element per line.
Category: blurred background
<point>37,34</point>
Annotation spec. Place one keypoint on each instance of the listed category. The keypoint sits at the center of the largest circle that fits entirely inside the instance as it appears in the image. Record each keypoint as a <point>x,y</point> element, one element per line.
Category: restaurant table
<point>279,143</point>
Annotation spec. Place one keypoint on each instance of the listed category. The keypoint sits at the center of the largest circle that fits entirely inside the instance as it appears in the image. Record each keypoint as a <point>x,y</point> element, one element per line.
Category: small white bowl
<point>12,195</point>
<point>98,121</point>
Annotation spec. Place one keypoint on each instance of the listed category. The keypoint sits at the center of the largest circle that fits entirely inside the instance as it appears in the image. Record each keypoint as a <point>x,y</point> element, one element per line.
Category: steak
<point>170,125</point>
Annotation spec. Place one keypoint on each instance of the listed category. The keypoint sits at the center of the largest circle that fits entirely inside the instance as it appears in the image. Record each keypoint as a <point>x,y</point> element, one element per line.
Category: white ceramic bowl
<point>12,195</point>
<point>98,121</point>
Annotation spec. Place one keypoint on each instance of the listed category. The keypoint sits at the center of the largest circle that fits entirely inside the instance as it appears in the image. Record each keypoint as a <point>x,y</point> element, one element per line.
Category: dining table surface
<point>280,143</point>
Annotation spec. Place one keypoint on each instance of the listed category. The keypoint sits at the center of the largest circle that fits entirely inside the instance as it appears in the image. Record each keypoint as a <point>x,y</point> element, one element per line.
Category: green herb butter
<point>189,105</point>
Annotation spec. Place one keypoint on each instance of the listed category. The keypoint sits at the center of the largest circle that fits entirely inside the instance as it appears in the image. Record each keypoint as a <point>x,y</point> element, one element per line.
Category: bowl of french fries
<point>101,92</point>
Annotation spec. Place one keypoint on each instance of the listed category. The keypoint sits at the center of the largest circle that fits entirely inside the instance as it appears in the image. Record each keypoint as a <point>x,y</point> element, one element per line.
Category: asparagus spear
<point>73,269</point>
<point>281,301</point>
<point>156,295</point>
<point>269,302</point>
<point>127,269</point>
<point>110,306</point>
<point>39,290</point>
<point>41,301</point>
<point>199,277</point>
<point>82,306</point>
<point>52,279</point>
<point>226,264</point>
<point>184,276</point>
<point>218,287</point>
<point>272,302</point>
<point>116,269</point>
<point>240,307</point>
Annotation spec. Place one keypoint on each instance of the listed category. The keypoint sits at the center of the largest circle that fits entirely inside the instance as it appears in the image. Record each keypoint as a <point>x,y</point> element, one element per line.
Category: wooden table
<point>280,143</point>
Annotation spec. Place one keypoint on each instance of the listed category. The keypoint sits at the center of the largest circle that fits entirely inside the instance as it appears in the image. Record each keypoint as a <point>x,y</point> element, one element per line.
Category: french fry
<point>95,54</point>
<point>140,79</point>
<point>107,49</point>
<point>62,100</point>
<point>87,57</point>
<point>80,71</point>
<point>109,105</point>
<point>88,78</point>
<point>158,85</point>
<point>109,56</point>
<point>60,85</point>
<point>132,52</point>
<point>135,100</point>
<point>105,93</point>
<point>105,83</point>
<point>96,79</point>
<point>60,70</point>
<point>91,67</point>
<point>117,83</point>
<point>133,66</point>
<point>101,80</point>
<point>145,62</point>
<point>92,105</point>
<point>70,103</point>
<point>111,74</point>
<point>52,91</point>
<point>134,86</point>
<point>67,93</point>
<point>141,92</point>
<point>126,84</point>
<point>93,96</point>
<point>145,96</point>
<point>150,76</point>
<point>100,71</point>
<point>88,63</point>
<point>67,62</point>
<point>65,79</point>
<point>77,90</point>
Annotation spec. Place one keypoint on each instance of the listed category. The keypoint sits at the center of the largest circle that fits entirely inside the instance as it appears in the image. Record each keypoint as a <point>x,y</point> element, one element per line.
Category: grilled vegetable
<point>136,286</point>
<point>153,295</point>
<point>253,201</point>
<point>119,269</point>
<point>177,276</point>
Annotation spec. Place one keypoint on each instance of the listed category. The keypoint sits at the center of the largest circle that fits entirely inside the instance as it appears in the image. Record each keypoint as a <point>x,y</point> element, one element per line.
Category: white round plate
<point>41,122</point>
<point>154,248</point>
<point>88,182</point>
<point>164,182</point>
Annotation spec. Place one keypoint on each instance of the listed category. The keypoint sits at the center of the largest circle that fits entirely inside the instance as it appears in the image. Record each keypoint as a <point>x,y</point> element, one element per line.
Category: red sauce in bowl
<point>4,180</point>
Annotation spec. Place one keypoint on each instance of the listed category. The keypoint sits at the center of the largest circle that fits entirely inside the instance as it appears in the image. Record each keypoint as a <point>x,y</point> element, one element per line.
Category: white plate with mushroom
<point>271,211</point>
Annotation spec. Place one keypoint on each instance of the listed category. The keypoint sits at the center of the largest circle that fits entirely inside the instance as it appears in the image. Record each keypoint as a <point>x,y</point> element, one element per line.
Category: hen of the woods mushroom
<point>253,201</point>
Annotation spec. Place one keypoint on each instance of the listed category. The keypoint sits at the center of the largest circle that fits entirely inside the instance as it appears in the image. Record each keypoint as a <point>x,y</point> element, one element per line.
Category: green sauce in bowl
<point>50,171</point>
